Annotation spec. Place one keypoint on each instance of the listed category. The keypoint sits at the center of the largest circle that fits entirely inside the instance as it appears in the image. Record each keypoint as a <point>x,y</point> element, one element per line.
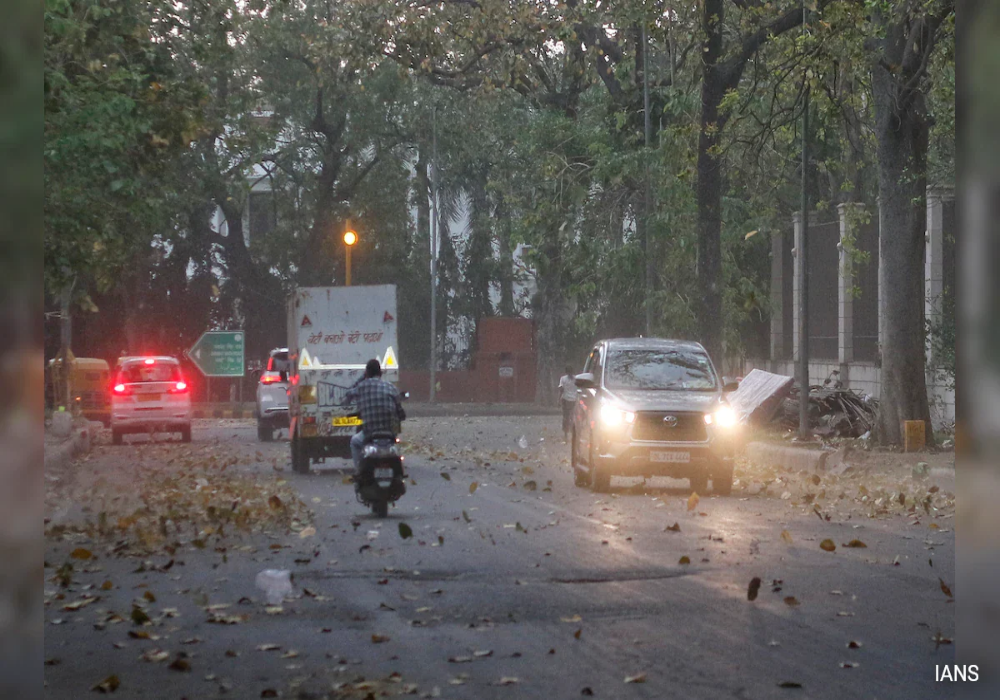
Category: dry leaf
<point>791,601</point>
<point>945,589</point>
<point>853,645</point>
<point>268,647</point>
<point>269,693</point>
<point>148,595</point>
<point>483,653</point>
<point>405,531</point>
<point>107,586</point>
<point>753,588</point>
<point>307,532</point>
<point>509,680</point>
<point>684,560</point>
<point>672,528</point>
<point>786,536</point>
<point>693,501</point>
<point>789,684</point>
<point>856,544</point>
<point>749,235</point>
<point>575,618</point>
<point>180,664</point>
<point>637,678</point>
<point>827,545</point>
<point>274,502</point>
<point>576,635</point>
<point>446,476</point>
<point>379,639</point>
<point>472,488</point>
<point>108,685</point>
<point>155,655</point>
<point>530,486</point>
<point>81,554</point>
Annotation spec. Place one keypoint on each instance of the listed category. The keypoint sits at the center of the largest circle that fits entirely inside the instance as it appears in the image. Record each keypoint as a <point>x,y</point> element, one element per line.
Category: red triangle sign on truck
<point>388,317</point>
<point>306,322</point>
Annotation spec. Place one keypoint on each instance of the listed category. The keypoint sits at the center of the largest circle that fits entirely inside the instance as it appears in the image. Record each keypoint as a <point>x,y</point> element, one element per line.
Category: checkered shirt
<point>379,405</point>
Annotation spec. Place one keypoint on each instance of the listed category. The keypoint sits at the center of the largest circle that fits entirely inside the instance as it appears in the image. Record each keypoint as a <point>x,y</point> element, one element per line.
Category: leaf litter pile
<point>172,494</point>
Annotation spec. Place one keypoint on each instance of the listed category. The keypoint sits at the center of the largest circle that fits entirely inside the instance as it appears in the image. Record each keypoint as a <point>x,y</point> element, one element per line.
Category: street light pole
<point>803,254</point>
<point>434,235</point>
<point>350,238</point>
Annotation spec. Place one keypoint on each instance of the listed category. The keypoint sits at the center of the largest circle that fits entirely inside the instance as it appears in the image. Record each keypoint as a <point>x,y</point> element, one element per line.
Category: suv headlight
<point>613,416</point>
<point>724,417</point>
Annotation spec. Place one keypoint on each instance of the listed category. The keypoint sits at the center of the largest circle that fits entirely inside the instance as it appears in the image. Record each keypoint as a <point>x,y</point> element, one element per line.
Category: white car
<point>150,395</point>
<point>271,410</point>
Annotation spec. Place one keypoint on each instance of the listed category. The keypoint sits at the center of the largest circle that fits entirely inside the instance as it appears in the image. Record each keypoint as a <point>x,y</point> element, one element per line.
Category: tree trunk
<point>549,311</point>
<point>902,134</point>
<point>506,263</point>
<point>709,188</point>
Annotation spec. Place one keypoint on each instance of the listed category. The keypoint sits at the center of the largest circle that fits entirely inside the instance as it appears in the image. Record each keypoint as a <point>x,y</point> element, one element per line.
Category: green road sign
<point>219,353</point>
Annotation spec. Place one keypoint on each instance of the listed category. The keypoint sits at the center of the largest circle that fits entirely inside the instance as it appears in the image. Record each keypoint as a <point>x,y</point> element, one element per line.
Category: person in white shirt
<point>567,396</point>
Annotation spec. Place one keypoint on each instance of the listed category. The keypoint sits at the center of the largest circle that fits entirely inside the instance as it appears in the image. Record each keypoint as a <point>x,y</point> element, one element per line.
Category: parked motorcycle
<point>381,480</point>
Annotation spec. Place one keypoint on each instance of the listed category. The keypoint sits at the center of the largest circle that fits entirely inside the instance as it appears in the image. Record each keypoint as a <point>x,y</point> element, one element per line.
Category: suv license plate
<point>660,456</point>
<point>148,397</point>
<point>383,473</point>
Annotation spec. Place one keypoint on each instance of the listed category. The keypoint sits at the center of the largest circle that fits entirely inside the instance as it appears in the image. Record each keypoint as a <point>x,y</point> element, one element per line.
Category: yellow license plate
<point>346,420</point>
<point>148,397</point>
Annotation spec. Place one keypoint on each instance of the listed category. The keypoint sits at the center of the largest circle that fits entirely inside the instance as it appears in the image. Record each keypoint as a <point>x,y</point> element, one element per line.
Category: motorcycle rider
<point>379,406</point>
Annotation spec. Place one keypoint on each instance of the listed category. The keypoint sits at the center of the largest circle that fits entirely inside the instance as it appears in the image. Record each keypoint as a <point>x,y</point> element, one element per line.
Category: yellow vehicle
<point>89,385</point>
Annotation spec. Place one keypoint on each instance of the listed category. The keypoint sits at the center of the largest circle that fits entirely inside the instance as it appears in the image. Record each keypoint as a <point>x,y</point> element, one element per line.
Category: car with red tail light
<point>150,395</point>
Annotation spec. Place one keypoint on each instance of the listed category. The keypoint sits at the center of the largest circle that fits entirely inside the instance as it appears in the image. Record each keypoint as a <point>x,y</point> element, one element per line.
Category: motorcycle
<point>381,477</point>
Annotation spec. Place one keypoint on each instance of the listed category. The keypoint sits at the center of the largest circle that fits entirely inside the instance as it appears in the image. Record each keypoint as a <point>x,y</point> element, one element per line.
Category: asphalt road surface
<point>521,586</point>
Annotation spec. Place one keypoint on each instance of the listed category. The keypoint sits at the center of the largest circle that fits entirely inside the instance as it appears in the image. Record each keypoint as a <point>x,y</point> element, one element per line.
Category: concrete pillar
<point>934,254</point>
<point>847,214</point>
<point>797,261</point>
<point>777,298</point>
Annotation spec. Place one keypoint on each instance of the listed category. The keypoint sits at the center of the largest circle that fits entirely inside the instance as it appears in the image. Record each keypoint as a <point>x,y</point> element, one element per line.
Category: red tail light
<point>269,379</point>
<point>179,387</point>
<point>150,361</point>
<point>120,388</point>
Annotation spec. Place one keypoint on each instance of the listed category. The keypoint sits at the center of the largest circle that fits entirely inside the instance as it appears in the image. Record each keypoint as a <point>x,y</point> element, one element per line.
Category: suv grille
<point>649,425</point>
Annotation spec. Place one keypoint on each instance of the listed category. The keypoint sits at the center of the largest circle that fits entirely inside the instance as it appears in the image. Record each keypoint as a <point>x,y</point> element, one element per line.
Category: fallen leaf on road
<point>789,684</point>
<point>155,655</point>
<point>307,532</point>
<point>466,517</point>
<point>107,586</point>
<point>586,691</point>
<point>180,664</point>
<point>446,476</point>
<point>81,554</point>
<point>574,618</point>
<point>148,595</point>
<point>269,693</point>
<point>827,545</point>
<point>637,678</point>
<point>472,489</point>
<point>139,616</point>
<point>482,654</point>
<point>693,501</point>
<point>576,635</point>
<point>268,647</point>
<point>519,527</point>
<point>459,659</point>
<point>945,589</point>
<point>108,685</point>
<point>672,528</point>
<point>856,544</point>
<point>786,536</point>
<point>76,605</point>
<point>849,664</point>
<point>509,680</point>
<point>405,531</point>
<point>290,654</point>
<point>530,486</point>
<point>684,560</point>
<point>753,588</point>
<point>379,639</point>
<point>853,645</point>
<point>274,502</point>
<point>791,601</point>
<point>844,613</point>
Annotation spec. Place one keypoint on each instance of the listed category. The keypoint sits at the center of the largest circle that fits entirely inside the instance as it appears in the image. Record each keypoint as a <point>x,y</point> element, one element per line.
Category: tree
<point>907,33</point>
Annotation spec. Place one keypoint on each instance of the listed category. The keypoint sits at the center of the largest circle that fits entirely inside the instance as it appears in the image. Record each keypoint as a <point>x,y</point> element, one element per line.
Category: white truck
<point>332,333</point>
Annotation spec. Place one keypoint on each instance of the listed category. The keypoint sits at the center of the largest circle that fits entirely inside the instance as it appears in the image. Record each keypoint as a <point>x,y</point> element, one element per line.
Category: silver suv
<point>651,407</point>
<point>271,410</point>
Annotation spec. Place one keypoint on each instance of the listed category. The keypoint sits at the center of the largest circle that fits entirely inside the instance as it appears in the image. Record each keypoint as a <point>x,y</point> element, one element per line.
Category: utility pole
<point>66,336</point>
<point>648,203</point>
<point>434,236</point>
<point>803,253</point>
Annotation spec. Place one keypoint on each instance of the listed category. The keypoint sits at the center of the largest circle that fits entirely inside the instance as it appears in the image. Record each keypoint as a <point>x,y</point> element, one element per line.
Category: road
<point>522,586</point>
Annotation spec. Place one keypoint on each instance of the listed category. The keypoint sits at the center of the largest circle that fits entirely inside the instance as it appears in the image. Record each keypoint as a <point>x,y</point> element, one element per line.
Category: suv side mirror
<point>585,381</point>
<point>730,386</point>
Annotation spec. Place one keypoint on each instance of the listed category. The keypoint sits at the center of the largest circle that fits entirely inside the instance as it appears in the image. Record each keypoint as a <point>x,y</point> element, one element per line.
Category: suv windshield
<point>160,372</point>
<point>650,368</point>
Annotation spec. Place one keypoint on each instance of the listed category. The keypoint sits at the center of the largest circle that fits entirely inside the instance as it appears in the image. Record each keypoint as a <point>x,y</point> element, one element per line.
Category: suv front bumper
<point>679,460</point>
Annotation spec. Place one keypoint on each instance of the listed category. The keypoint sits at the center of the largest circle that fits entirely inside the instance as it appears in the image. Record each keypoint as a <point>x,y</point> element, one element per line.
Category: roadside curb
<point>58,455</point>
<point>795,458</point>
